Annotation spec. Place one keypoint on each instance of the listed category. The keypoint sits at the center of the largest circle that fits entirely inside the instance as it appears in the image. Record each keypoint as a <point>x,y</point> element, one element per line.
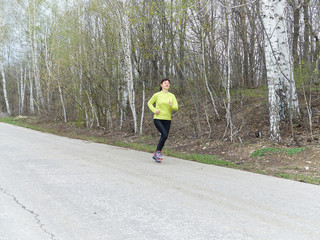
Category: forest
<point>97,62</point>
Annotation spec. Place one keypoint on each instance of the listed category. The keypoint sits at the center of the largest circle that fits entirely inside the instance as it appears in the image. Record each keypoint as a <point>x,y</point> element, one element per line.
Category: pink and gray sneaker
<point>157,156</point>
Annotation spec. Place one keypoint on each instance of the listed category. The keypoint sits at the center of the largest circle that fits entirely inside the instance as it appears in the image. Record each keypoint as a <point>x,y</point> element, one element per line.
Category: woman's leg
<point>163,127</point>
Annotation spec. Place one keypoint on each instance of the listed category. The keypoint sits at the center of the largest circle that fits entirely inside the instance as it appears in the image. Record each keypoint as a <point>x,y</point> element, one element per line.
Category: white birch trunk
<point>33,47</point>
<point>80,86</point>
<point>273,73</point>
<point>48,64</point>
<point>31,93</point>
<point>62,102</point>
<point>109,115</point>
<point>79,96</point>
<point>228,95</point>
<point>87,117</point>
<point>126,43</point>
<point>142,108</point>
<point>22,90</point>
<point>228,79</point>
<point>281,85</point>
<point>19,92</point>
<point>31,99</point>
<point>4,86</point>
<point>124,94</point>
<point>206,79</point>
<point>93,111</point>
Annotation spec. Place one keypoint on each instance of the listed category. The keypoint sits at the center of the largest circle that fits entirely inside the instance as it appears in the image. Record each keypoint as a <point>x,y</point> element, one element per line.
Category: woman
<point>165,103</point>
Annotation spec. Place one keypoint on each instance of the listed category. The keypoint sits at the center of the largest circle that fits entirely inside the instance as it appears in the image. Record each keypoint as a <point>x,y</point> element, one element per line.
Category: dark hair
<point>165,79</point>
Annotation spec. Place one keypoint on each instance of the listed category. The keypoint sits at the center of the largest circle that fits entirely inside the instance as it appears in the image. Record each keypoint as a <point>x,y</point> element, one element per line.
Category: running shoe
<point>157,156</point>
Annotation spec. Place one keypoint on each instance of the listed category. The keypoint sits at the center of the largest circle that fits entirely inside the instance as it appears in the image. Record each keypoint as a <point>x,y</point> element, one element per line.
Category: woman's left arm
<point>174,104</point>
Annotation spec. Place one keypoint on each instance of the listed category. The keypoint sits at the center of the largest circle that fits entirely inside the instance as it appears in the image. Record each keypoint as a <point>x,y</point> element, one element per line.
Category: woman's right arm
<point>152,100</point>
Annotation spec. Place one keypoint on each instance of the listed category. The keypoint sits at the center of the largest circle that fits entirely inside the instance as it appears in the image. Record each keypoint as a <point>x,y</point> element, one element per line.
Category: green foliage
<point>284,175</point>
<point>263,151</point>
<point>292,151</point>
<point>269,150</point>
<point>251,92</point>
<point>300,178</point>
<point>79,123</point>
<point>136,146</point>
<point>201,158</point>
<point>304,76</point>
<point>22,122</point>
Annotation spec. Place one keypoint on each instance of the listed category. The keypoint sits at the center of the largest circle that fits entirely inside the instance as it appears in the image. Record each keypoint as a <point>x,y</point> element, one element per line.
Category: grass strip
<point>299,177</point>
<point>268,150</point>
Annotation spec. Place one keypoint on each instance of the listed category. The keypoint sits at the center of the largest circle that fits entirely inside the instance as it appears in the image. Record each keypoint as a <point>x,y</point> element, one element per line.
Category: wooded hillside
<point>97,62</point>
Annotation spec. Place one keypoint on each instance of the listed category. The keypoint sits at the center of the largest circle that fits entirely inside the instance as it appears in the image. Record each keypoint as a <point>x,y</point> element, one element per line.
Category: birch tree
<point>21,88</point>
<point>282,90</point>
<point>4,38</point>
<point>33,41</point>
<point>49,64</point>
<point>127,68</point>
<point>31,97</point>
<point>4,86</point>
<point>94,59</point>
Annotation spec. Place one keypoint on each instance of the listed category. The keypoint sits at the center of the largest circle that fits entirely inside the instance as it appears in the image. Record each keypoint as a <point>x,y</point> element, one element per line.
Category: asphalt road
<point>54,187</point>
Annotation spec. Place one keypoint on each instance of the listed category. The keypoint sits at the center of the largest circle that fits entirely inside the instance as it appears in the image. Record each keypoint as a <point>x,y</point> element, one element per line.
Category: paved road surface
<point>53,187</point>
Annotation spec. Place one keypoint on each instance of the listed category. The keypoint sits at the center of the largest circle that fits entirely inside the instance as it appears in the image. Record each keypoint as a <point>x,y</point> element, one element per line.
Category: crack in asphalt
<point>35,215</point>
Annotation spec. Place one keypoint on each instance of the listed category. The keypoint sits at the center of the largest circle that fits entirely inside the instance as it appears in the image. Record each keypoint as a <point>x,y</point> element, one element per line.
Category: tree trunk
<point>34,55</point>
<point>142,107</point>
<point>282,91</point>
<point>227,102</point>
<point>228,84</point>
<point>127,68</point>
<point>205,76</point>
<point>306,17</point>
<point>248,82</point>
<point>64,112</point>
<point>4,86</point>
<point>31,99</point>
<point>296,29</point>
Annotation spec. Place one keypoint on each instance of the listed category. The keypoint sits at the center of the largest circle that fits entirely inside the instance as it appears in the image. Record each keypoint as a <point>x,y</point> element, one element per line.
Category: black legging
<point>163,127</point>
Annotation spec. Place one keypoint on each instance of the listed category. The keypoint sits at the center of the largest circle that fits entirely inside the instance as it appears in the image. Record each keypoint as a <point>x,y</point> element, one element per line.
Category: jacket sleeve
<point>152,100</point>
<point>174,104</point>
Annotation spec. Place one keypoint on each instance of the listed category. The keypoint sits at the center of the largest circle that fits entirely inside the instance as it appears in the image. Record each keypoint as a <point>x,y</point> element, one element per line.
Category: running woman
<point>165,103</point>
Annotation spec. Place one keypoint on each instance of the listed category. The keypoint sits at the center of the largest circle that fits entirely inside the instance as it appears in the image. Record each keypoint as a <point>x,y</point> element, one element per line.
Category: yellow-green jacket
<point>161,99</point>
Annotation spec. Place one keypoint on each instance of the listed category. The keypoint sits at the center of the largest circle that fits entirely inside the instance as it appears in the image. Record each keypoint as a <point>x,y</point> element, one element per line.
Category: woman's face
<point>165,85</point>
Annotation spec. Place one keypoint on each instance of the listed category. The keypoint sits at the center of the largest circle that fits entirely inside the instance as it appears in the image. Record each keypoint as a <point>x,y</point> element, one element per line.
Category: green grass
<point>263,151</point>
<point>201,158</point>
<point>292,151</point>
<point>300,178</point>
<point>269,150</point>
<point>136,146</point>
<point>285,175</point>
<point>264,172</point>
<point>22,123</point>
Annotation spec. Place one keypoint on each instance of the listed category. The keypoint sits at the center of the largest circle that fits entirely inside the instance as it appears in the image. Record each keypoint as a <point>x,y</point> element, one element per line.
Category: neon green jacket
<point>161,99</point>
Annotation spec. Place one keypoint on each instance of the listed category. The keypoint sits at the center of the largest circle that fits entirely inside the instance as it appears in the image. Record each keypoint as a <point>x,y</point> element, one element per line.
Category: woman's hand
<point>157,112</point>
<point>170,103</point>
